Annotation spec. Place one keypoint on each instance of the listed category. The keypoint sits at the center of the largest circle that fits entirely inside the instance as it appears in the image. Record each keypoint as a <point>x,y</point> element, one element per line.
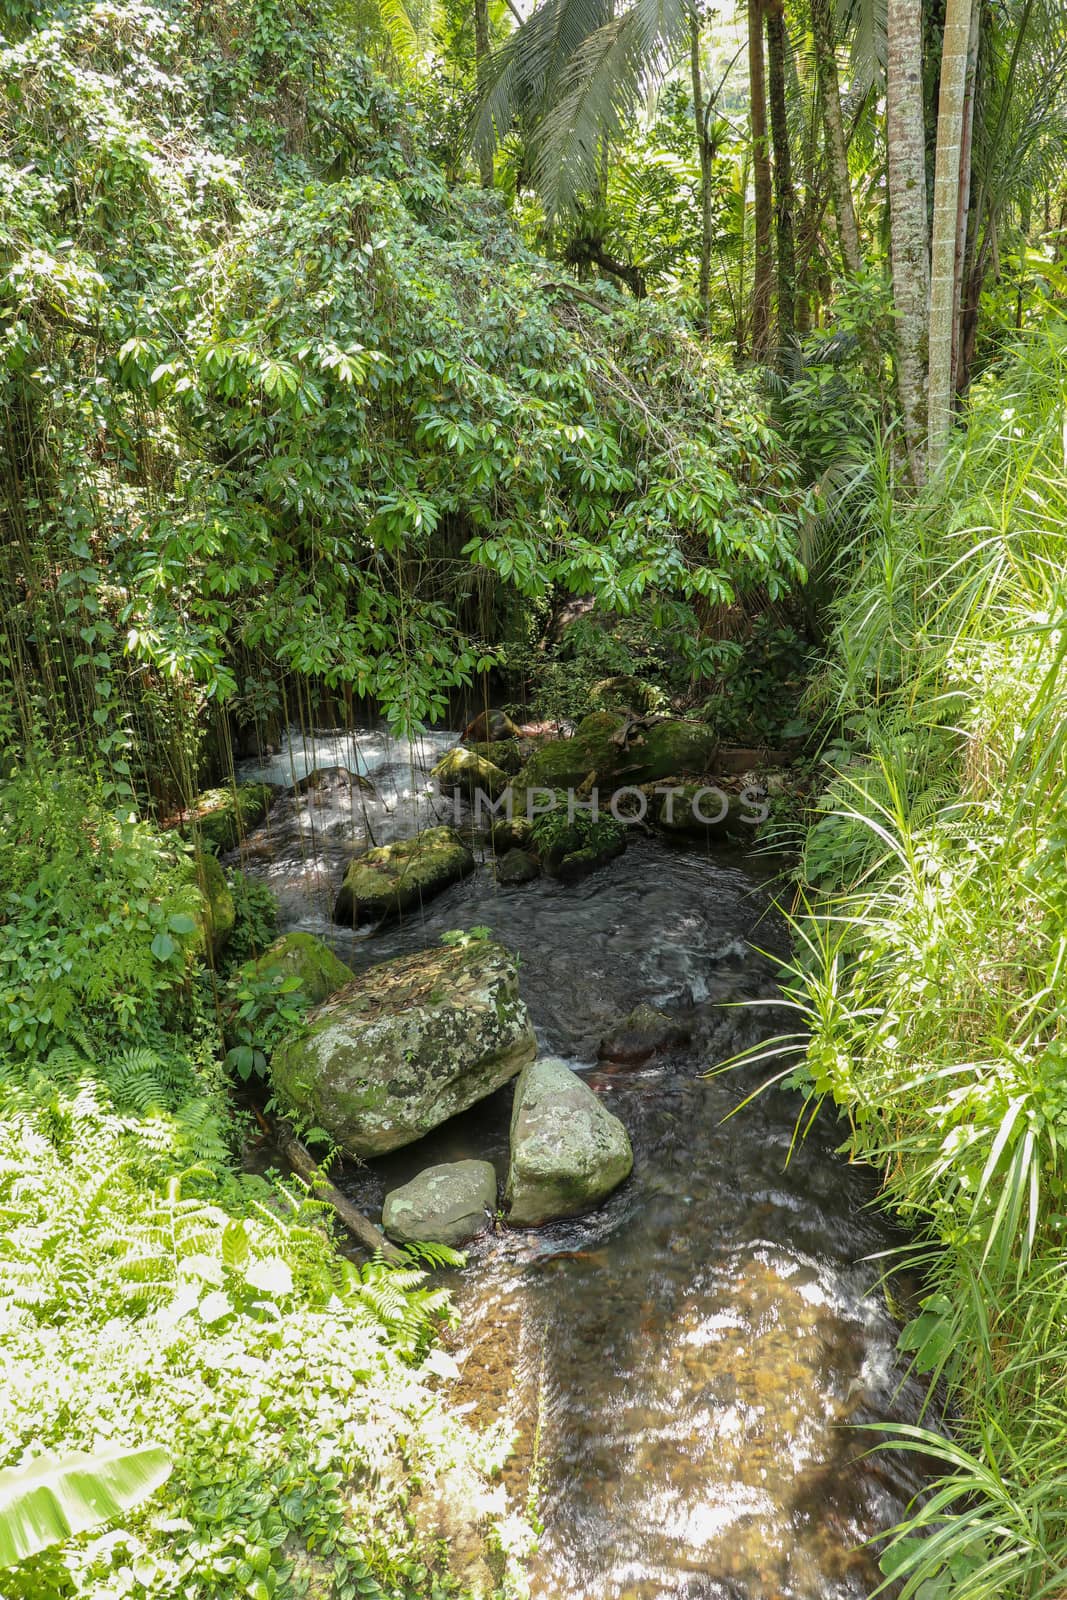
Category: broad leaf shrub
<point>931,966</point>
<point>153,1291</point>
<point>282,408</point>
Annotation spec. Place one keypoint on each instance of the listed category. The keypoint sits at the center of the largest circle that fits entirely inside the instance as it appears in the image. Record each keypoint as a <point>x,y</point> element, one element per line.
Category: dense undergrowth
<point>151,1290</point>
<point>932,966</point>
<point>283,409</point>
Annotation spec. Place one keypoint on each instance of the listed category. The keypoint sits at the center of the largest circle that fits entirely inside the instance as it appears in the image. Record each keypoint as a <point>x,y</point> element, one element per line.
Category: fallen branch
<point>302,1163</point>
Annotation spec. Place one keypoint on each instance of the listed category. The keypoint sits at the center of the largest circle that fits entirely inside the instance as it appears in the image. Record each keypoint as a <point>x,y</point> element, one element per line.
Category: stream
<point>689,1368</point>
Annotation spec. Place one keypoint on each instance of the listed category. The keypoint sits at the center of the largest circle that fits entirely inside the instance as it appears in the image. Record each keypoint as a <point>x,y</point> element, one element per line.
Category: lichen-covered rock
<point>223,817</point>
<point>567,1150</point>
<point>447,1204</point>
<point>464,769</point>
<point>407,1045</point>
<point>503,753</point>
<point>301,956</point>
<point>516,867</point>
<point>218,911</point>
<point>621,754</point>
<point>401,876</point>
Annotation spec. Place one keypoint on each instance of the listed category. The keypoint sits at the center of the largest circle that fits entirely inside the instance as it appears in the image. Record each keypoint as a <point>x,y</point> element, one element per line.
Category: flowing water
<point>690,1369</point>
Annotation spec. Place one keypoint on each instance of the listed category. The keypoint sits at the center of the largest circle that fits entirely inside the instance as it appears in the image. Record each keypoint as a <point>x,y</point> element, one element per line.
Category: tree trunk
<point>761,172</point>
<point>966,217</point>
<point>948,185</point>
<point>704,152</point>
<point>784,195</point>
<point>321,1188</point>
<point>908,229</point>
<point>481,61</point>
<point>836,147</point>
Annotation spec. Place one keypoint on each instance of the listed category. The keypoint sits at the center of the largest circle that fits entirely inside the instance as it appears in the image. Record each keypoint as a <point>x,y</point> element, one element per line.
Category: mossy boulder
<point>222,817</point>
<point>464,769</point>
<point>703,811</point>
<point>620,754</point>
<point>407,1045</point>
<point>218,911</point>
<point>502,753</point>
<point>516,834</point>
<point>401,876</point>
<point>517,867</point>
<point>567,1150</point>
<point>447,1204</point>
<point>301,956</point>
<point>580,848</point>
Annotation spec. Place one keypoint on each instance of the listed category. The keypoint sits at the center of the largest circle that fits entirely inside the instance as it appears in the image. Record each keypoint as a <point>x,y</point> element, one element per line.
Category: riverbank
<point>930,970</point>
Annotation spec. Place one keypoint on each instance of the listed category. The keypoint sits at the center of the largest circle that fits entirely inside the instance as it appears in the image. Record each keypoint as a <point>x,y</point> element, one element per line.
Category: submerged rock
<point>641,1035</point>
<point>467,771</point>
<point>447,1204</point>
<point>397,877</point>
<point>222,817</point>
<point>407,1045</point>
<point>516,867</point>
<point>567,1150</point>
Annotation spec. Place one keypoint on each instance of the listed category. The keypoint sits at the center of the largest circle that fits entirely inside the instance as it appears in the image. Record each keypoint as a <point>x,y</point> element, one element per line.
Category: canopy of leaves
<point>274,392</point>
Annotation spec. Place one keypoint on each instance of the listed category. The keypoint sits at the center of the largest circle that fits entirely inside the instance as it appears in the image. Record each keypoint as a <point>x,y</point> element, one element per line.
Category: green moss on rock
<point>502,753</point>
<point>218,911</point>
<point>406,1045</point>
<point>664,749</point>
<point>401,876</point>
<point>302,956</point>
<point>222,817</point>
<point>464,769</point>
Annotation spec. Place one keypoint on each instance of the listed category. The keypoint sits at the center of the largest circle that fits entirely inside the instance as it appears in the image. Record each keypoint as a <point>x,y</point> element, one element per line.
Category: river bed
<point>689,1369</point>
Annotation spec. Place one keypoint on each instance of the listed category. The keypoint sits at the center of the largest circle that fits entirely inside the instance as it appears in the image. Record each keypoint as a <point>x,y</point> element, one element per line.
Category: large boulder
<point>467,771</point>
<point>400,876</point>
<point>621,752</point>
<point>567,1150</point>
<point>517,867</point>
<point>407,1045</point>
<point>301,956</point>
<point>222,817</point>
<point>443,1205</point>
<point>704,811</point>
<point>503,753</point>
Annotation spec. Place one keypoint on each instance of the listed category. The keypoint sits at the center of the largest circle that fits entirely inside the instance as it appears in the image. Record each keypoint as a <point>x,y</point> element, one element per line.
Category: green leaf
<point>163,947</point>
<point>45,1502</point>
<point>270,1276</point>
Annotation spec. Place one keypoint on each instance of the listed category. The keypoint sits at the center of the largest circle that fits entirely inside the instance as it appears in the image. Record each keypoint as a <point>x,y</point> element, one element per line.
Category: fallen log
<point>361,1227</point>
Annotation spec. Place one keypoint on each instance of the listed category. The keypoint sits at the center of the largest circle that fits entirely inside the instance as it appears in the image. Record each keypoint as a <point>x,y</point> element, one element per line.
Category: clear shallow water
<point>689,1368</point>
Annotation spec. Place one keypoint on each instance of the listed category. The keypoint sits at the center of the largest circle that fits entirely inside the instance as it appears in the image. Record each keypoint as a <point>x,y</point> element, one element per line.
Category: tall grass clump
<point>932,961</point>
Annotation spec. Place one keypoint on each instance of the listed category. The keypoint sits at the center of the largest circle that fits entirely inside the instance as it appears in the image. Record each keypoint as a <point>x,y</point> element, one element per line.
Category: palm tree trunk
<point>908,229</point>
<point>836,147</point>
<point>784,194</point>
<point>761,172</point>
<point>948,181</point>
<point>704,152</point>
<point>481,63</point>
